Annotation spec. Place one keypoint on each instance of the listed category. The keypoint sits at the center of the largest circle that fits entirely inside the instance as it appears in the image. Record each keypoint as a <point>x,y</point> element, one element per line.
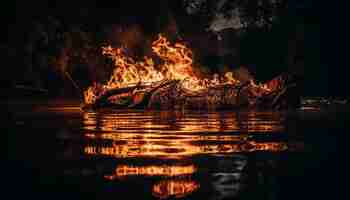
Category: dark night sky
<point>322,78</point>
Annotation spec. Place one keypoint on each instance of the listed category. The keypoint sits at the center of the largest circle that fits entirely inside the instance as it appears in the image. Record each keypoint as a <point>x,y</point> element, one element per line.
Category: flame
<point>174,188</point>
<point>177,64</point>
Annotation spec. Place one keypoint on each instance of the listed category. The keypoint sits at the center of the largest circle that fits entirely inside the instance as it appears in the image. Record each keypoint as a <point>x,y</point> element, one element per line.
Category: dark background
<point>265,53</point>
<point>292,44</point>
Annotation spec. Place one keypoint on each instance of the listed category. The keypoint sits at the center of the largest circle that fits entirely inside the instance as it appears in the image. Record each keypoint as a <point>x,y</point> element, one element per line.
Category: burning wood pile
<point>172,84</point>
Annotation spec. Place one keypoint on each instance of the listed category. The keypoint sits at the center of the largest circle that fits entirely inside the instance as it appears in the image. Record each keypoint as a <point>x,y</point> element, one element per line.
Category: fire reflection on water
<point>178,149</point>
<point>177,136</point>
<point>174,188</point>
<point>180,186</point>
<point>154,170</point>
<point>179,122</point>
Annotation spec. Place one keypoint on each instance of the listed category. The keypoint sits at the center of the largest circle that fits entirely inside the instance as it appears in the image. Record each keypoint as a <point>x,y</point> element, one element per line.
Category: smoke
<point>242,74</point>
<point>130,37</point>
<point>137,39</point>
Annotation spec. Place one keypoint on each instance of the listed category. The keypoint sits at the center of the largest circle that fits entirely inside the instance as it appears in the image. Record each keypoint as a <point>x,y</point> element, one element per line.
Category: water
<point>56,150</point>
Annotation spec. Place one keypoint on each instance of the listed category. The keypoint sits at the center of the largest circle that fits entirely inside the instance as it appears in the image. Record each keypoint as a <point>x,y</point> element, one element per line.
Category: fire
<point>177,64</point>
<point>129,72</point>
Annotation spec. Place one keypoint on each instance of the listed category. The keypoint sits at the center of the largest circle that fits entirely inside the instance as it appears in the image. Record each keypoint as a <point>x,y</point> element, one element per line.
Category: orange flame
<point>177,65</point>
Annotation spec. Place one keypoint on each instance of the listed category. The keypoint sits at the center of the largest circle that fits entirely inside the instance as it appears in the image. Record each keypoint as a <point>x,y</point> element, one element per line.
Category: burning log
<point>170,94</point>
<point>173,85</point>
<point>136,96</point>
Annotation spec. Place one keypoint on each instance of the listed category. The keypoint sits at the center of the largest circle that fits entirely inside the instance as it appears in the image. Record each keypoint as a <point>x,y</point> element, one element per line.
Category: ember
<point>173,83</point>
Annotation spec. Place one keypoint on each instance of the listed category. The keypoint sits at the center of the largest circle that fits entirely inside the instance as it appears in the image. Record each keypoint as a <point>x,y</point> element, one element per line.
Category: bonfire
<point>173,84</point>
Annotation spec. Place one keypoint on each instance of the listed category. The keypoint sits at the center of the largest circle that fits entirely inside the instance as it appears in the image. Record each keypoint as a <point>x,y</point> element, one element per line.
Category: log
<point>170,94</point>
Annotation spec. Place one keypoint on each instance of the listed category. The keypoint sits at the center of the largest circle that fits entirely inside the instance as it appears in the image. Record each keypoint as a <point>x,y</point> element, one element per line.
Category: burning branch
<point>79,90</point>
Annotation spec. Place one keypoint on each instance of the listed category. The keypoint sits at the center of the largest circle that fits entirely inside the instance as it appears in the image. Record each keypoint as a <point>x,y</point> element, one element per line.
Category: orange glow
<point>174,123</point>
<point>177,64</point>
<point>174,135</point>
<point>174,188</point>
<point>165,170</point>
<point>178,149</point>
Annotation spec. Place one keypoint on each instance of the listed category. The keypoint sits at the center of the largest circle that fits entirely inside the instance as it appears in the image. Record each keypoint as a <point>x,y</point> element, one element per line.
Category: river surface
<point>56,150</point>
